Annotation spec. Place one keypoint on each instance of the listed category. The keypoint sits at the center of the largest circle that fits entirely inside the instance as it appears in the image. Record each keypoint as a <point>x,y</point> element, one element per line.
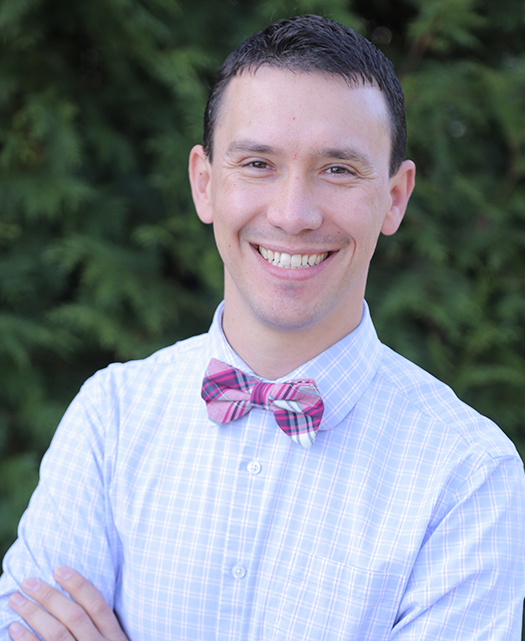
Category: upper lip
<point>292,252</point>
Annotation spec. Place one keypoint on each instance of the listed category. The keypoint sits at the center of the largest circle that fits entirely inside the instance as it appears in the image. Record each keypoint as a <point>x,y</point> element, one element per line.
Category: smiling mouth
<point>291,261</point>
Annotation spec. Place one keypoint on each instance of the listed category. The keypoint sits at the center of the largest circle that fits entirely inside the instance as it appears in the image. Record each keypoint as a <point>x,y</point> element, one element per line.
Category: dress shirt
<point>403,521</point>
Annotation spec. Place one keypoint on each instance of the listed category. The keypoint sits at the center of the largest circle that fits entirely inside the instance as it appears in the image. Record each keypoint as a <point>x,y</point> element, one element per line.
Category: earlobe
<point>200,179</point>
<point>401,187</point>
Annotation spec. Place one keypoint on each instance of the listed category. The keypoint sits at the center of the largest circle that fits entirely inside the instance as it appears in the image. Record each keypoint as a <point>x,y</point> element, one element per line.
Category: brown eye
<point>259,164</point>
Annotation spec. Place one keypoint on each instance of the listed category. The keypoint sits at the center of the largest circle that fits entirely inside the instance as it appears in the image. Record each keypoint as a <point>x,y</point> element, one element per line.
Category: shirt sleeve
<point>468,579</point>
<point>68,520</point>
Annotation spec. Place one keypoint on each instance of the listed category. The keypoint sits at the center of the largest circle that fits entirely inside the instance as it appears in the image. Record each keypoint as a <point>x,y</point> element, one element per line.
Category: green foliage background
<point>102,257</point>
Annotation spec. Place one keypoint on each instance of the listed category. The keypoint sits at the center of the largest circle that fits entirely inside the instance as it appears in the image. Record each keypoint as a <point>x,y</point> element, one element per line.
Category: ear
<point>200,180</point>
<point>401,187</point>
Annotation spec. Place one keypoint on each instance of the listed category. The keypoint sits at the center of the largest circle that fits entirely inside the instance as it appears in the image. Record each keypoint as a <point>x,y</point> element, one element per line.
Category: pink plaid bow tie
<point>230,393</point>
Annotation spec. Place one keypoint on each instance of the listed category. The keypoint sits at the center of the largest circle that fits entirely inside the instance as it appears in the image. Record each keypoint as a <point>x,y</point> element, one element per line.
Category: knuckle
<point>75,617</point>
<point>45,593</point>
<point>61,633</point>
<point>99,607</point>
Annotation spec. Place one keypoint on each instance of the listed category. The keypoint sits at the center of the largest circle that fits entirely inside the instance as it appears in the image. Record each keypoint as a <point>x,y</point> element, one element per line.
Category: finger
<point>92,602</point>
<point>69,620</point>
<point>41,621</point>
<point>17,632</point>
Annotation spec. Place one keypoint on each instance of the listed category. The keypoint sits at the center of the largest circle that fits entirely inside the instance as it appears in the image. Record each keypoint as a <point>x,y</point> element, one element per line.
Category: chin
<point>289,320</point>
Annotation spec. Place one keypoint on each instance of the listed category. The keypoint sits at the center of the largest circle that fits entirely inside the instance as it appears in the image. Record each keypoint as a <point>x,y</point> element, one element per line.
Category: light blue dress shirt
<point>403,521</point>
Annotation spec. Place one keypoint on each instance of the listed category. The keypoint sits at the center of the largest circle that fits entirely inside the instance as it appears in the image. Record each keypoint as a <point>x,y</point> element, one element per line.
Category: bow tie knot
<point>261,395</point>
<point>230,394</point>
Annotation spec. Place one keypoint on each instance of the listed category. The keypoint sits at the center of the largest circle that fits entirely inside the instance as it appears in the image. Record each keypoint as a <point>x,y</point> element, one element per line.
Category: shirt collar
<point>342,372</point>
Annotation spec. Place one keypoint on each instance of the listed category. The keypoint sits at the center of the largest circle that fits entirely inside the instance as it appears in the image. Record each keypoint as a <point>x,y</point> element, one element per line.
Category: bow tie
<point>230,394</point>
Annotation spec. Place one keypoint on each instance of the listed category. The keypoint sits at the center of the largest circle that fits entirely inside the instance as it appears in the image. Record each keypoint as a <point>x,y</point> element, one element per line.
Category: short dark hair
<point>310,43</point>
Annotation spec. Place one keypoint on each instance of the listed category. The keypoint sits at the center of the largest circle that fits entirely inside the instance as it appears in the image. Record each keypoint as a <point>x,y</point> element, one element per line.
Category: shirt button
<point>238,571</point>
<point>254,467</point>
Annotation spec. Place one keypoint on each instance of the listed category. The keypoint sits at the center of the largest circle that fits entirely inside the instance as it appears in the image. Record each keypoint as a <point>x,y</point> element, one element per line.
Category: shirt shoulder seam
<point>382,372</point>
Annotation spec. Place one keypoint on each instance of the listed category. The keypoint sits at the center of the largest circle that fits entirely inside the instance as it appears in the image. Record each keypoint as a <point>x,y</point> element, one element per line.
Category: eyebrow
<point>251,147</point>
<point>347,154</point>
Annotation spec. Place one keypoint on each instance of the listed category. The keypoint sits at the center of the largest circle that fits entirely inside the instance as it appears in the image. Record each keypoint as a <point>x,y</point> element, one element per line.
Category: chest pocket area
<point>320,599</point>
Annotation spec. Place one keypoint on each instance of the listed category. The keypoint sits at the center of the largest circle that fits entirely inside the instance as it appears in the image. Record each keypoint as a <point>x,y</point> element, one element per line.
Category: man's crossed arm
<point>88,618</point>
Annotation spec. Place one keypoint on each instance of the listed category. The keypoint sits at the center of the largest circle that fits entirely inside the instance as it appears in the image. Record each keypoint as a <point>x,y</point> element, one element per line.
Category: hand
<point>89,618</point>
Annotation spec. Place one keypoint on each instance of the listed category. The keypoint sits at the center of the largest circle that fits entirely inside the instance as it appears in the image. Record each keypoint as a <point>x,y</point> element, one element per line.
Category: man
<point>358,498</point>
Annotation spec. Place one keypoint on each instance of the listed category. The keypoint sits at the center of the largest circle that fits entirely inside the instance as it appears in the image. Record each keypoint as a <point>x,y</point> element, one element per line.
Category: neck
<point>273,353</point>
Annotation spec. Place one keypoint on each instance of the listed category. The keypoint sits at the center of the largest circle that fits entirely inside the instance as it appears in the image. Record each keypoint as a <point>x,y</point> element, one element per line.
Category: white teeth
<point>291,261</point>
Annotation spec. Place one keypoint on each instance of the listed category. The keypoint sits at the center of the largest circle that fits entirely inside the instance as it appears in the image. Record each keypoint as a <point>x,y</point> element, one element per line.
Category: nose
<point>293,208</point>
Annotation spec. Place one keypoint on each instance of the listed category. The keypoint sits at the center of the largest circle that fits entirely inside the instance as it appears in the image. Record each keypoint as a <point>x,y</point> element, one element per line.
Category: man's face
<point>298,192</point>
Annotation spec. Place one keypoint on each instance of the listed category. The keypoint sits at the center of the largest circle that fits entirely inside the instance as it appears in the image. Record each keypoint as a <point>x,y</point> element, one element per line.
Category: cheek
<point>375,207</point>
<point>238,209</point>
<point>233,204</point>
<point>362,222</point>
<point>222,240</point>
<point>228,223</point>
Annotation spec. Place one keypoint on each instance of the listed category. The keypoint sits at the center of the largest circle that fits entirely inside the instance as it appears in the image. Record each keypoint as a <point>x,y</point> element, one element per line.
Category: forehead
<point>283,105</point>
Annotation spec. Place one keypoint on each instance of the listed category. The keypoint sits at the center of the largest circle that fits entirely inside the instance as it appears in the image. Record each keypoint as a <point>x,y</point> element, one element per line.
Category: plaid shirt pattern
<point>402,522</point>
<point>230,393</point>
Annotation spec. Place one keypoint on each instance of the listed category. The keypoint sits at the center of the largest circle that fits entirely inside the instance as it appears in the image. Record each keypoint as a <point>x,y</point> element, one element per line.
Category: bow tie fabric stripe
<point>230,394</point>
